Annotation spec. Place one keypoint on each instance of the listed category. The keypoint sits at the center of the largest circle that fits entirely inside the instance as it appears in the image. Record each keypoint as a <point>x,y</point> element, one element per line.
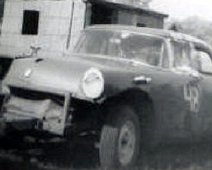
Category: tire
<point>120,138</point>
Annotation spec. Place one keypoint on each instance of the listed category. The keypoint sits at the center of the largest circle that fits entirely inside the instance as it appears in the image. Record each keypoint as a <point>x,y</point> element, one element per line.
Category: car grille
<point>39,105</point>
<point>36,95</point>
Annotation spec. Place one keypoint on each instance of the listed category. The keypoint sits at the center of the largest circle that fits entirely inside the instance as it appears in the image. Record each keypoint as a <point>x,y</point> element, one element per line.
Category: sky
<point>181,9</point>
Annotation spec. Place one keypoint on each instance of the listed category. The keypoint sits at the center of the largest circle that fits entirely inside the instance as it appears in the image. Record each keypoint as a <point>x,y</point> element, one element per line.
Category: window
<point>98,42</point>
<point>121,44</point>
<point>30,22</point>
<point>165,59</point>
<point>181,54</point>
<point>201,61</point>
<point>142,48</point>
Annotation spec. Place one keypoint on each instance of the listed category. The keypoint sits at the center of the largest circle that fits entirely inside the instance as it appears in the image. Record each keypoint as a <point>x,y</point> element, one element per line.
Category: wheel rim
<point>126,143</point>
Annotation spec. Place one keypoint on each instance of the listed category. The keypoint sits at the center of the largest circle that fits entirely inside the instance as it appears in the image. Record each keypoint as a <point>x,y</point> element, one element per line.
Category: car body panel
<point>48,73</point>
<point>119,76</point>
<point>179,114</point>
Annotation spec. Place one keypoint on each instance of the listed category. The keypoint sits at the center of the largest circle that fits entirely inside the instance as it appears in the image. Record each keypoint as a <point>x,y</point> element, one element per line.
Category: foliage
<point>195,26</point>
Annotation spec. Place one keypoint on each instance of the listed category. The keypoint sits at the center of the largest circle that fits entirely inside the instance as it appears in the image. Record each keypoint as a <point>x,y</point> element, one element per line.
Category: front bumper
<point>42,114</point>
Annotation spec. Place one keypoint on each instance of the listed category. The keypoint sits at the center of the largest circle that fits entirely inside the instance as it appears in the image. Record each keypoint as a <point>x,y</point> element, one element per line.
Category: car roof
<point>157,32</point>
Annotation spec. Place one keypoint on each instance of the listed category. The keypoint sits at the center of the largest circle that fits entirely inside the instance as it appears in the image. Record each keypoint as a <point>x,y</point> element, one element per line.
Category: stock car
<point>126,86</point>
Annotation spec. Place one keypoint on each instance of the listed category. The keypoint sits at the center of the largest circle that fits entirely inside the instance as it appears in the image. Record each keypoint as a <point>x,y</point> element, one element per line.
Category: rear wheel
<point>120,138</point>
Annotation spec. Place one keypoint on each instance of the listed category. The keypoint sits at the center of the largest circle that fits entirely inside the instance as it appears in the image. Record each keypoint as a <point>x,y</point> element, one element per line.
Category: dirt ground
<point>16,155</point>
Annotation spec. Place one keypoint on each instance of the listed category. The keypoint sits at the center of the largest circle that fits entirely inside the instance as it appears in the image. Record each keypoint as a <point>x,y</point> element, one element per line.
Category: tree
<point>195,26</point>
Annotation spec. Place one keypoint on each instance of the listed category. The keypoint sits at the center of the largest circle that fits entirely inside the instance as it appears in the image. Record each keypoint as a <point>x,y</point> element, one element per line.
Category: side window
<point>201,61</point>
<point>181,53</point>
<point>165,59</point>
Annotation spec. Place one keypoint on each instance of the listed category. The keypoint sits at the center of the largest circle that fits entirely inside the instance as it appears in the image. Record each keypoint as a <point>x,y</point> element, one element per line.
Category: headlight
<point>93,83</point>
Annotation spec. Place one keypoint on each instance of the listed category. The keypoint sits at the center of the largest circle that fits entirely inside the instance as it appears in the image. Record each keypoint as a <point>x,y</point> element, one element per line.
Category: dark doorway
<point>101,14</point>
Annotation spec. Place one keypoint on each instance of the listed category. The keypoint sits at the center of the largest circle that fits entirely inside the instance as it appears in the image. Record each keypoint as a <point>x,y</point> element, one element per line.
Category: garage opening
<point>30,22</point>
<point>101,14</point>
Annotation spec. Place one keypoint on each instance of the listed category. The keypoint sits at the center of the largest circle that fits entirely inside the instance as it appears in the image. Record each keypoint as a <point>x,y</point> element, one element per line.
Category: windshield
<point>138,47</point>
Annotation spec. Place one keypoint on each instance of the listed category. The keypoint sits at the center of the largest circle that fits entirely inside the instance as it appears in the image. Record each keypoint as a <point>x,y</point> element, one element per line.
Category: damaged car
<point>127,86</point>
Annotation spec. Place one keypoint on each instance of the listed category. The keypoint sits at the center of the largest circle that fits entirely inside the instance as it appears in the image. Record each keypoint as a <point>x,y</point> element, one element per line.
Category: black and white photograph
<point>105,85</point>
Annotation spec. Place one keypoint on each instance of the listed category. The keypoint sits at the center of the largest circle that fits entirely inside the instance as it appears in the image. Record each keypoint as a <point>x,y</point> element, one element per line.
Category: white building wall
<point>54,26</point>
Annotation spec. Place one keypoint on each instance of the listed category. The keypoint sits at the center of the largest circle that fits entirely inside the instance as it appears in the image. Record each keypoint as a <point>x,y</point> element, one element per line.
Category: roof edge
<point>116,4</point>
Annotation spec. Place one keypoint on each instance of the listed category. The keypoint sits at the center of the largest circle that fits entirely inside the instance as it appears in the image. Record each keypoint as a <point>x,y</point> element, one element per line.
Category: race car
<point>127,86</point>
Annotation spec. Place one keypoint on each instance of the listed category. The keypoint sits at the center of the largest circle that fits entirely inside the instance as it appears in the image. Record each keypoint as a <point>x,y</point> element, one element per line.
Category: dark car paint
<point>5,63</point>
<point>167,88</point>
<point>204,117</point>
<point>60,79</point>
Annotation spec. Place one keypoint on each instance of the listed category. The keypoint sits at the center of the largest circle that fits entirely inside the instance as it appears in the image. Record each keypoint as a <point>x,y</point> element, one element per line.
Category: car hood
<point>64,75</point>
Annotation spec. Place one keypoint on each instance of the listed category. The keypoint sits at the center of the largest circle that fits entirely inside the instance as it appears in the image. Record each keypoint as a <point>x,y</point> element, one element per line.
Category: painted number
<point>191,94</point>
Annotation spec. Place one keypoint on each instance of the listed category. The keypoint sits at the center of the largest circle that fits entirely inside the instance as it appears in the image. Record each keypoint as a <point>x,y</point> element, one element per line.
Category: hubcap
<point>126,143</point>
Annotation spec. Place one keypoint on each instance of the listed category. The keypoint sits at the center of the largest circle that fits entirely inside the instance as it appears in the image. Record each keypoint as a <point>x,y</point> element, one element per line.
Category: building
<point>123,12</point>
<point>53,26</point>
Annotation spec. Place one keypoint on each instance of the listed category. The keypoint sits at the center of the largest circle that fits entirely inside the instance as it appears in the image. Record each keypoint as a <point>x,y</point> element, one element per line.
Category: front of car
<point>110,68</point>
<point>43,92</point>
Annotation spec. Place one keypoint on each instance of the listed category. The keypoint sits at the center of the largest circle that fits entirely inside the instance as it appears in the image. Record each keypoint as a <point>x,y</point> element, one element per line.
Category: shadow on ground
<point>16,155</point>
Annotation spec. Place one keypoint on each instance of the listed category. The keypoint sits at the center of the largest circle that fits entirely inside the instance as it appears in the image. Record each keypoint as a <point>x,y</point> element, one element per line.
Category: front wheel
<point>120,138</point>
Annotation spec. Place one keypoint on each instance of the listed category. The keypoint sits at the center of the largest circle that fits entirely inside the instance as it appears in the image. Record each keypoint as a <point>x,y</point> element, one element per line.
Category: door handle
<point>195,76</point>
<point>142,80</point>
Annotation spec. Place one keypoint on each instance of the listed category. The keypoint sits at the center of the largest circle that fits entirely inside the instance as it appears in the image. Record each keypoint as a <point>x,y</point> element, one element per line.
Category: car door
<point>193,96</point>
<point>172,91</point>
<point>203,63</point>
